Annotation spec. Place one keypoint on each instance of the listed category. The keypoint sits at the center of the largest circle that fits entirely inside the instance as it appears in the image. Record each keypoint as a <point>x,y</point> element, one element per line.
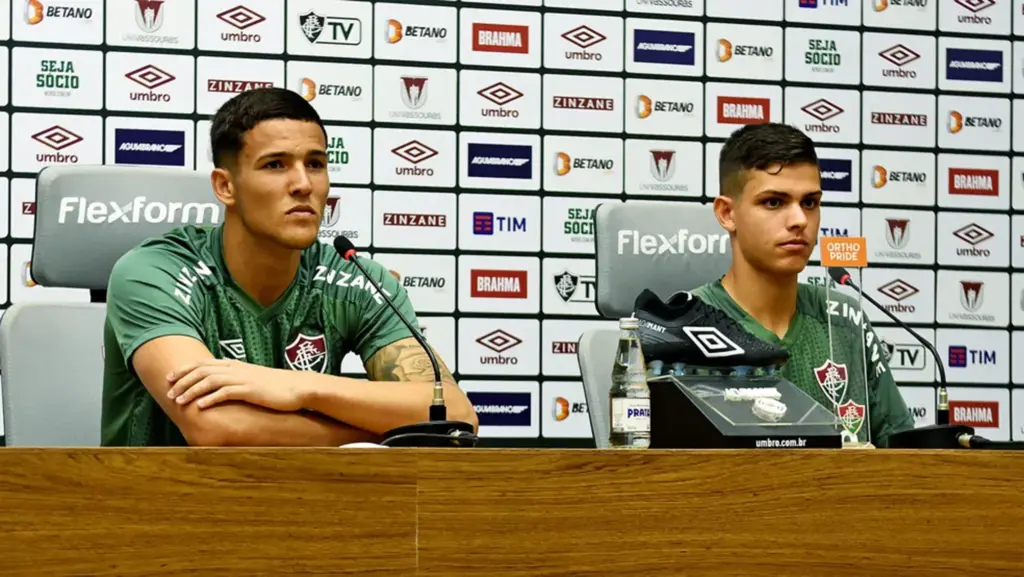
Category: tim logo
<point>307,353</point>
<point>971,297</point>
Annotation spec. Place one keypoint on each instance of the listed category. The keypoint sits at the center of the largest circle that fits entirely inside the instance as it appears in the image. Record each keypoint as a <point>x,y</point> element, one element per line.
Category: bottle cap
<point>629,323</point>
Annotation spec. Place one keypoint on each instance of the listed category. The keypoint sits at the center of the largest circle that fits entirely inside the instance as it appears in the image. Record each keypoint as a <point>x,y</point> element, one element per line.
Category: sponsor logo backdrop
<point>471,141</point>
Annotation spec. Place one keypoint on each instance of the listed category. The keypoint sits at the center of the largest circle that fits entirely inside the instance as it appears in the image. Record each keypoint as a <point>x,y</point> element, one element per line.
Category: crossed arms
<point>216,402</point>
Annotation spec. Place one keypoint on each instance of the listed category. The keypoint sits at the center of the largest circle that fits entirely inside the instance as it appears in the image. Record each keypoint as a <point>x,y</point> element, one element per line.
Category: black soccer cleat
<point>691,337</point>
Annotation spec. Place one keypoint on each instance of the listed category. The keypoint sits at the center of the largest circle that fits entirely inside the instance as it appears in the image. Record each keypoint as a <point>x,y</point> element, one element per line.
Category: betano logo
<point>36,12</point>
<point>727,50</point>
<point>137,211</point>
<point>307,88</point>
<point>957,122</point>
<point>880,176</point>
<point>394,32</point>
<point>564,164</point>
<point>883,5</point>
<point>646,106</point>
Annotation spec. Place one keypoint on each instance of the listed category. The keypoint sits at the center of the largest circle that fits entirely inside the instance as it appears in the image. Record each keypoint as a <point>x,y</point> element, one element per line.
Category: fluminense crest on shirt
<point>307,353</point>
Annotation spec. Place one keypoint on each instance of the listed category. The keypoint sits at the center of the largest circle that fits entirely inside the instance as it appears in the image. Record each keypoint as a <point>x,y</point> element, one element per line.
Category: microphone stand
<point>942,435</point>
<point>437,431</point>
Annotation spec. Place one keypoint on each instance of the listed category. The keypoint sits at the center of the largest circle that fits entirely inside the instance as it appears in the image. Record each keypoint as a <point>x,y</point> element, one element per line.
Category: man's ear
<point>223,187</point>
<point>725,209</point>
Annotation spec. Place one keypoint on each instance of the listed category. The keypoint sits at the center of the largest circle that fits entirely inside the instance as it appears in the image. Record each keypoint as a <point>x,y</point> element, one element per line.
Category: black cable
<point>978,442</point>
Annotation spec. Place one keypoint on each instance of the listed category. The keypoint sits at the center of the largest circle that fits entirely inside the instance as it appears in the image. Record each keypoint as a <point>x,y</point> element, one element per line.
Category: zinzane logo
<point>137,211</point>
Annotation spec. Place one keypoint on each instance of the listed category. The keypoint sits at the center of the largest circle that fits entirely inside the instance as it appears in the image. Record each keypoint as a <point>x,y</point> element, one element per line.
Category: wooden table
<point>487,512</point>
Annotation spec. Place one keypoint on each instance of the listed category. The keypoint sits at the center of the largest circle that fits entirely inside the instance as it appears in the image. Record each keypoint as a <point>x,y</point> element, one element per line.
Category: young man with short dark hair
<point>250,354</point>
<point>769,202</point>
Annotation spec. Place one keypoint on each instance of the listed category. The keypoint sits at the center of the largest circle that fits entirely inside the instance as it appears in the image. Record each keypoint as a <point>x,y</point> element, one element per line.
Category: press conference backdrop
<point>471,141</point>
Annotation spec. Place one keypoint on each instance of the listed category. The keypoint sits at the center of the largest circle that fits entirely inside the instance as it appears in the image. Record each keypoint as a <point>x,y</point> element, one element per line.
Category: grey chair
<point>51,353</point>
<point>661,245</point>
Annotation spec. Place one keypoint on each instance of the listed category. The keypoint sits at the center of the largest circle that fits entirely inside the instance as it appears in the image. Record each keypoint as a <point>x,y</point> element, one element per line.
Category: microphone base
<point>432,434</point>
<point>930,437</point>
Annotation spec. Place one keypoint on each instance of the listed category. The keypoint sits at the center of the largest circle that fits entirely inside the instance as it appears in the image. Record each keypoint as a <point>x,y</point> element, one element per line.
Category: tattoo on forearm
<point>404,362</point>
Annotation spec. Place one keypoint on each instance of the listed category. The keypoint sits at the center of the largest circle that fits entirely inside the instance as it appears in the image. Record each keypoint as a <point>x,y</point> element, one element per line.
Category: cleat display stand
<point>692,412</point>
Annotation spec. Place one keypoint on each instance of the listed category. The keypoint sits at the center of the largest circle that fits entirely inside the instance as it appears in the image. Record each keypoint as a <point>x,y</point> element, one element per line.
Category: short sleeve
<point>147,300</point>
<point>376,325</point>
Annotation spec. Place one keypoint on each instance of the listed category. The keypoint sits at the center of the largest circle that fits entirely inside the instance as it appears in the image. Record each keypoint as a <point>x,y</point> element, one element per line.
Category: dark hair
<point>758,147</point>
<point>243,112</point>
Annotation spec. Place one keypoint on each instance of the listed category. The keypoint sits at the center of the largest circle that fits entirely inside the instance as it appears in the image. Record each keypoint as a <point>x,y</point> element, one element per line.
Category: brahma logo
<point>727,50</point>
<point>497,284</point>
<point>503,38</point>
<point>740,110</point>
<point>974,413</point>
<point>974,181</point>
<point>564,164</point>
<point>975,6</point>
<point>958,122</point>
<point>583,103</point>
<point>897,232</point>
<point>584,37</point>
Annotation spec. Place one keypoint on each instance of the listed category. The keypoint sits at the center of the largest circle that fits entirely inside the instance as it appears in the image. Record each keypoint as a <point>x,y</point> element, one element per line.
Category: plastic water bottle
<point>630,396</point>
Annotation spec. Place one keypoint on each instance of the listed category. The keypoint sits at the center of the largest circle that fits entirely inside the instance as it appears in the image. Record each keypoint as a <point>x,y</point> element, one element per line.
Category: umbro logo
<point>712,342</point>
<point>233,348</point>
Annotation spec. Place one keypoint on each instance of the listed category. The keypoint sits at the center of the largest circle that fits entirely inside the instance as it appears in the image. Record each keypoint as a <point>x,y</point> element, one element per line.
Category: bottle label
<point>631,415</point>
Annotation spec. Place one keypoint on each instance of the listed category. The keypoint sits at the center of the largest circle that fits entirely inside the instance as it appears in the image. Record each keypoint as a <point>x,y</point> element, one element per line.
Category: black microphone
<point>438,431</point>
<point>843,278</point>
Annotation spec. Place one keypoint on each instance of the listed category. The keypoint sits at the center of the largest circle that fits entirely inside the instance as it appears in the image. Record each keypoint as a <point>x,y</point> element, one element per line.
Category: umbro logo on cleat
<point>712,342</point>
